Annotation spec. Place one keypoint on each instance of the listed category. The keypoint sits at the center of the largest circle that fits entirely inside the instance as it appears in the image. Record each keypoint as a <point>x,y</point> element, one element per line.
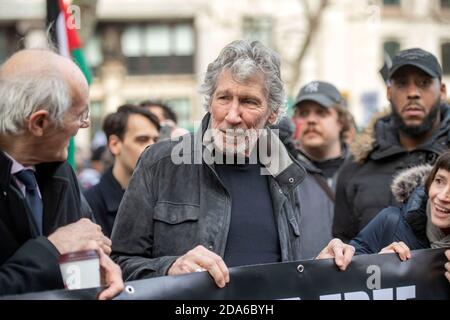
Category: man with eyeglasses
<point>43,103</point>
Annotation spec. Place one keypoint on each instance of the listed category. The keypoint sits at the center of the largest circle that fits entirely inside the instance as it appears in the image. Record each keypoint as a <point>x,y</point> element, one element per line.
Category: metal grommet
<point>129,289</point>
<point>300,268</point>
<point>291,180</point>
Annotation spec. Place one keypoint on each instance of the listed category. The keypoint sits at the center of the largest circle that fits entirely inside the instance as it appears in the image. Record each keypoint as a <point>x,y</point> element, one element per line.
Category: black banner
<point>368,277</point>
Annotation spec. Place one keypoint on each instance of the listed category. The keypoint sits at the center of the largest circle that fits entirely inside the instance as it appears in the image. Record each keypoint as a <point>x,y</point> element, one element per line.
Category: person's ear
<point>389,93</point>
<point>114,144</point>
<point>38,122</point>
<point>272,118</point>
<point>443,92</point>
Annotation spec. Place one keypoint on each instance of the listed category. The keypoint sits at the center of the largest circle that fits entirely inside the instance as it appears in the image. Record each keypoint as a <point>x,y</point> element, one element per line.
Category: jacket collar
<point>281,165</point>
<point>5,170</point>
<point>51,185</point>
<point>387,137</point>
<point>380,140</point>
<point>310,166</point>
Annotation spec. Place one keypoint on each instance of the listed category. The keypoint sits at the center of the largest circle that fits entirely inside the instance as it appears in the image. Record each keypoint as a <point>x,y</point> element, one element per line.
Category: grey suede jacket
<point>169,207</point>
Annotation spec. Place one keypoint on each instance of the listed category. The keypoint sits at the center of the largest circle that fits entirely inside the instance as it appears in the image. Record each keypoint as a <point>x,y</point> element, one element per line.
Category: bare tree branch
<point>314,19</point>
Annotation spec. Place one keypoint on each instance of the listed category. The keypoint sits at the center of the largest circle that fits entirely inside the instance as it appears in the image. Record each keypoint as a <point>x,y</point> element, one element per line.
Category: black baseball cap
<point>419,58</point>
<point>323,93</point>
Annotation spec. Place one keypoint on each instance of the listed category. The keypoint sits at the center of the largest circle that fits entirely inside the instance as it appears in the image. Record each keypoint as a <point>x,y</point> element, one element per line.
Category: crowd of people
<point>251,186</point>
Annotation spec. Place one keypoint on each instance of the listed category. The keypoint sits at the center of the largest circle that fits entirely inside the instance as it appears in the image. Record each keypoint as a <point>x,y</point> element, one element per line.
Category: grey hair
<point>246,59</point>
<point>22,95</point>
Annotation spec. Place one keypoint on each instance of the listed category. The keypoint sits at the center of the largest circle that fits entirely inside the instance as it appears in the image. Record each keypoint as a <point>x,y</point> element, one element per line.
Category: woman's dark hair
<point>443,162</point>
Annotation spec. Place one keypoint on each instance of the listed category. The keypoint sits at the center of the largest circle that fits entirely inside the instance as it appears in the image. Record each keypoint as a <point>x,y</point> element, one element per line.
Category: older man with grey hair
<point>43,102</point>
<point>224,196</point>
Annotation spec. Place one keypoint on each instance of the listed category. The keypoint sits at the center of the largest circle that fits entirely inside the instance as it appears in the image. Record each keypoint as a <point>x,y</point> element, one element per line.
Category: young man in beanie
<point>415,132</point>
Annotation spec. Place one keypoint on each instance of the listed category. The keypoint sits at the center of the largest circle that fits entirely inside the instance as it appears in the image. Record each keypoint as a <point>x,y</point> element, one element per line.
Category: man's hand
<point>447,265</point>
<point>201,259</point>
<point>110,273</point>
<point>341,252</point>
<point>77,235</point>
<point>400,248</point>
<point>111,277</point>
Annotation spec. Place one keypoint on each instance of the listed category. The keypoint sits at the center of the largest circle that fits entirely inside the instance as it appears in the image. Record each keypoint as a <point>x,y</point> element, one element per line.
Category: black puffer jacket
<point>405,223</point>
<point>363,184</point>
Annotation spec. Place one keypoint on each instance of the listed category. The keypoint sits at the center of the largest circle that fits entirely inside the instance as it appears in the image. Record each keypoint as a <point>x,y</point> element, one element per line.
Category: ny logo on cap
<point>413,55</point>
<point>312,87</point>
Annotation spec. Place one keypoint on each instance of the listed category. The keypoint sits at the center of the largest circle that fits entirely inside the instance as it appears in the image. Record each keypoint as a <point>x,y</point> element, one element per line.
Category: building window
<point>182,108</point>
<point>445,4</point>
<point>445,48</point>
<point>94,54</point>
<point>391,48</point>
<point>259,29</point>
<point>10,42</point>
<point>391,3</point>
<point>159,48</point>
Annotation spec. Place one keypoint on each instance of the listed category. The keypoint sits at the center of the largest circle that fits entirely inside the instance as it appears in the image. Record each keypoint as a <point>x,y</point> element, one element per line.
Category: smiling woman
<point>438,186</point>
<point>422,221</point>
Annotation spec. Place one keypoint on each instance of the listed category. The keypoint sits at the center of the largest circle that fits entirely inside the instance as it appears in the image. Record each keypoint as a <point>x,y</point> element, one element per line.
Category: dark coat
<point>169,207</point>
<point>30,263</point>
<point>104,199</point>
<point>363,183</point>
<point>405,223</point>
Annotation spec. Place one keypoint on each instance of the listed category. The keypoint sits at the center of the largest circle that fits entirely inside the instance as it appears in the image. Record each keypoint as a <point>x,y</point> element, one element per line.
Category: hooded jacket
<point>377,155</point>
<point>405,223</point>
<point>169,208</point>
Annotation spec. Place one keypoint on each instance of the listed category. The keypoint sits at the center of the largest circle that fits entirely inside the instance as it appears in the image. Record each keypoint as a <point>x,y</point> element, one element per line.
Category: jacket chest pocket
<point>175,228</point>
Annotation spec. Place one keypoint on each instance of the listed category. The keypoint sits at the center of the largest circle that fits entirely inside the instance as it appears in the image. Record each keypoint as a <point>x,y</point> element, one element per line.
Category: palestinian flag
<point>68,44</point>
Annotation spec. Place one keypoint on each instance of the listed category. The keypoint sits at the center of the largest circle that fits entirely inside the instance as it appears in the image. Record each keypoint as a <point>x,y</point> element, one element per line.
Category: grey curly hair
<point>245,59</point>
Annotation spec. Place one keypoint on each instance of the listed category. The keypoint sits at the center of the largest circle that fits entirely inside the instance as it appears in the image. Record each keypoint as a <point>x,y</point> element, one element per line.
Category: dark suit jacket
<point>29,262</point>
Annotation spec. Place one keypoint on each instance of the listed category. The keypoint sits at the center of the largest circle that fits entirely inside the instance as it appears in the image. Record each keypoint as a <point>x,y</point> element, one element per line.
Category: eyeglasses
<point>83,118</point>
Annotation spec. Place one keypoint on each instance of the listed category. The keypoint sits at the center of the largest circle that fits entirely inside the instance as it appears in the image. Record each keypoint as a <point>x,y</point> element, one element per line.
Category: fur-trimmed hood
<point>364,143</point>
<point>408,180</point>
<point>380,138</point>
